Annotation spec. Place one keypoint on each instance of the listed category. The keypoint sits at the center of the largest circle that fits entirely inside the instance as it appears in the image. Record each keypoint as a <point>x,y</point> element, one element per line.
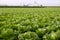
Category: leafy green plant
<point>28,36</point>
<point>29,23</point>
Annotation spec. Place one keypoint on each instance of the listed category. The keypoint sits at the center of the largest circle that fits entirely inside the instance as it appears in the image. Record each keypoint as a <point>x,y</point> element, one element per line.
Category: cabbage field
<point>29,23</point>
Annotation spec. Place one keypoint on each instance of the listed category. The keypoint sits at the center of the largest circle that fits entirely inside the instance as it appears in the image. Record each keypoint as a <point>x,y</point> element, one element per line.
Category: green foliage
<point>41,31</point>
<point>28,36</point>
<point>29,23</point>
<point>7,34</point>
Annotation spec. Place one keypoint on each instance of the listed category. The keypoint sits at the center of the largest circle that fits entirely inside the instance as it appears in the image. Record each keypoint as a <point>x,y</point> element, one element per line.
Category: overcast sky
<point>30,2</point>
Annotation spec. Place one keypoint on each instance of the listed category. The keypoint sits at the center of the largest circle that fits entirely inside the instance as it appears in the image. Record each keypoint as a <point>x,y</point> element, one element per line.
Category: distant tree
<point>41,5</point>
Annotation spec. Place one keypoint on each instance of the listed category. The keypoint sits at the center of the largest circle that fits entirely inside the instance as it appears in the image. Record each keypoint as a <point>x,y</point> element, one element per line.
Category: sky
<point>30,2</point>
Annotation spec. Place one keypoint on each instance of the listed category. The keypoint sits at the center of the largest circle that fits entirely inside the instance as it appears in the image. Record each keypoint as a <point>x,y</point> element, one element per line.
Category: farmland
<point>29,23</point>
